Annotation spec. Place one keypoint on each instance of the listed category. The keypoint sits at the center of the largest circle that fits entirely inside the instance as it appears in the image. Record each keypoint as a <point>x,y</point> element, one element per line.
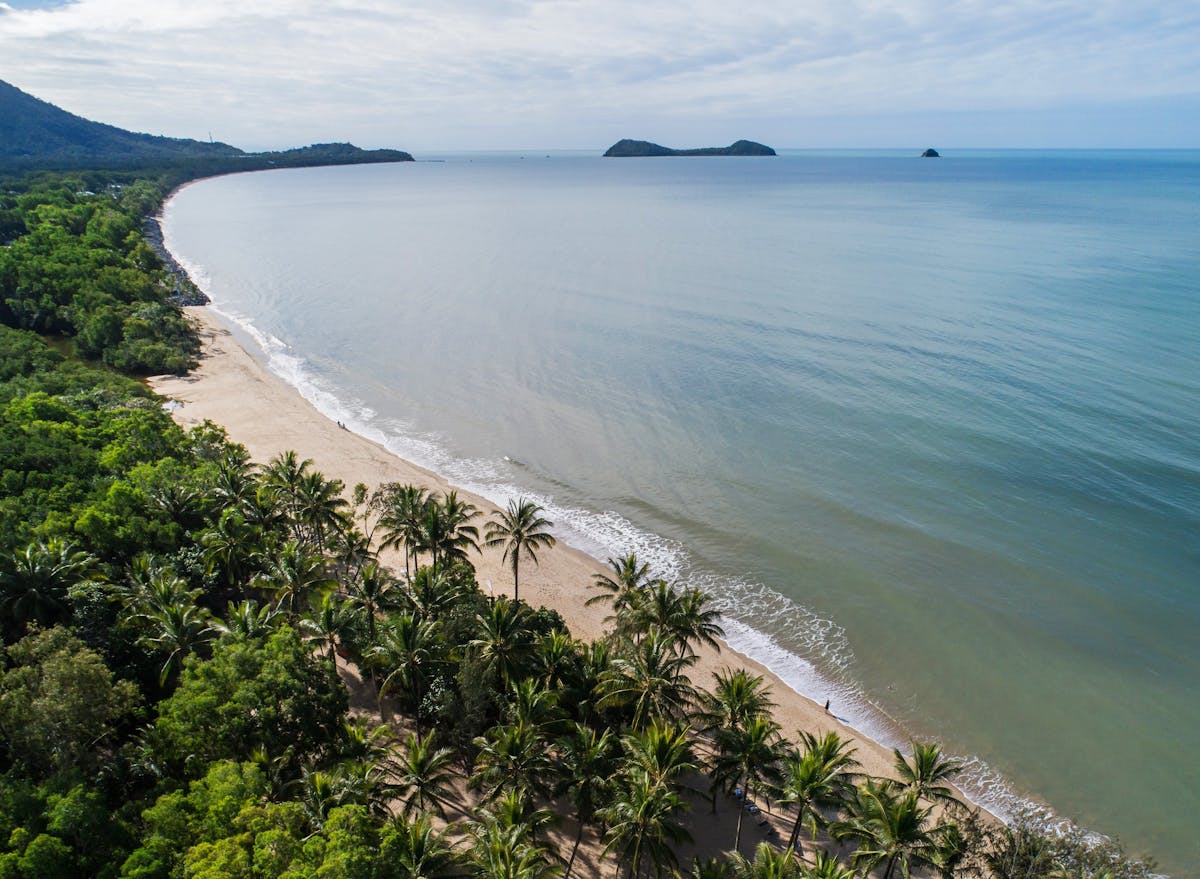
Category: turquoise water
<point>929,430</point>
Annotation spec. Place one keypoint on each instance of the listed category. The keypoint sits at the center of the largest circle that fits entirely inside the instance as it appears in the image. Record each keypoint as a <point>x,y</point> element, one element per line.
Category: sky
<point>581,74</point>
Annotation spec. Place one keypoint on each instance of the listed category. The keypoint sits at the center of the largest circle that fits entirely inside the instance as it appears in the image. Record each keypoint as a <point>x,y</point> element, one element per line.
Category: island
<point>931,153</point>
<point>640,148</point>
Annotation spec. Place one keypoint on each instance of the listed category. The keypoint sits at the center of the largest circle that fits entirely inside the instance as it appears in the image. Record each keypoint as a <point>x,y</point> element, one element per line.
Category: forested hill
<point>37,134</point>
<point>32,128</point>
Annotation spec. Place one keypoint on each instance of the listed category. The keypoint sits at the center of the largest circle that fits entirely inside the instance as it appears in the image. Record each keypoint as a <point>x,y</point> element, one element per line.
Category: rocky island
<point>637,148</point>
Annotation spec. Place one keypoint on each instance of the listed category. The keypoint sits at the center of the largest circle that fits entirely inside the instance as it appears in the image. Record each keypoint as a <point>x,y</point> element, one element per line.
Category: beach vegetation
<point>816,778</point>
<point>519,529</point>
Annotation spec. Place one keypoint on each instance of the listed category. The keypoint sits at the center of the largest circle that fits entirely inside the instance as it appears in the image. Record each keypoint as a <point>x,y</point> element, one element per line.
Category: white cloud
<point>580,72</point>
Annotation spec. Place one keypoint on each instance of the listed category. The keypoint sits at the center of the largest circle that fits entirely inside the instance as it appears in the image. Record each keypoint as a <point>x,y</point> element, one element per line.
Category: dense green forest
<point>178,624</point>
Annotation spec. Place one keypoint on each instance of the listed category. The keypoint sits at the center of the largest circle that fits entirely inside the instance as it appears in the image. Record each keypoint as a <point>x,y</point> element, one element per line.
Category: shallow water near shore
<point>929,430</point>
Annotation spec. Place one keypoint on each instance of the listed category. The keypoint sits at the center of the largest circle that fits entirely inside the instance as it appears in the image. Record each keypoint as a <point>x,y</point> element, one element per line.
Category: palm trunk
<point>574,849</point>
<point>795,837</point>
<point>737,838</point>
<point>887,874</point>
<point>516,584</point>
<point>417,712</point>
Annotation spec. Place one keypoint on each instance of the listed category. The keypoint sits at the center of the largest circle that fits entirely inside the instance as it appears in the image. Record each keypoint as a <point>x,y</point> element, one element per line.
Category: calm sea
<point>929,430</point>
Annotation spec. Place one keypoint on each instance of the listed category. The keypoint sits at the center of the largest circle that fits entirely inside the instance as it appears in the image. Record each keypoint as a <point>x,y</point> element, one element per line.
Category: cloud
<point>493,72</point>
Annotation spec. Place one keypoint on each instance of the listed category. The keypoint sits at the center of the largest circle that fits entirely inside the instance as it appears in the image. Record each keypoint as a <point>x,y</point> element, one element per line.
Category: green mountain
<point>37,134</point>
<point>34,129</point>
<point>639,148</point>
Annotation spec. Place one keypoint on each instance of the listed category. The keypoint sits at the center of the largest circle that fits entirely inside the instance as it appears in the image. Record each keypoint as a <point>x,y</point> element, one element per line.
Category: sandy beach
<point>259,410</point>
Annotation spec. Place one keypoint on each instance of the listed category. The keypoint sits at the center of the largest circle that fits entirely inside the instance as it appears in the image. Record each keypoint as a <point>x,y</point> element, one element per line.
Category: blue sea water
<point>929,430</point>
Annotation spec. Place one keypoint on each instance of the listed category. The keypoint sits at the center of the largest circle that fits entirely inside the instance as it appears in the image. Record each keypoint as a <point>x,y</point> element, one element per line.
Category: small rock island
<point>931,153</point>
<point>639,148</point>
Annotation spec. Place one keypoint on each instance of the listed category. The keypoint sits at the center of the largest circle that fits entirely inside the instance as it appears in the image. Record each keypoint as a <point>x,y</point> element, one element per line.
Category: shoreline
<point>260,410</point>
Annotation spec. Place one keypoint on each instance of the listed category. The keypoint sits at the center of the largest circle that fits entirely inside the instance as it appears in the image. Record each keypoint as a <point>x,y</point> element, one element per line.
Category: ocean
<point>927,430</point>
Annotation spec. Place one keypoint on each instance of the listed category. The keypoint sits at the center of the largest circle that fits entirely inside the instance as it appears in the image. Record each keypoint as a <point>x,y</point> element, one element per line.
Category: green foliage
<point>81,269</point>
<point>48,857</point>
<point>179,821</point>
<point>58,703</point>
<point>22,353</point>
<point>273,694</point>
<point>64,456</point>
<point>1028,850</point>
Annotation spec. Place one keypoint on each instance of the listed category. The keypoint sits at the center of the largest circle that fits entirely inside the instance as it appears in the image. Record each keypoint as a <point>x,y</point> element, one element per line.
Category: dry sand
<point>266,415</point>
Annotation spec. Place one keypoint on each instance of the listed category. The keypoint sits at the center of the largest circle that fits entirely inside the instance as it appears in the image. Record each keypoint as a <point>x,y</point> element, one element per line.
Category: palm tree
<point>177,629</point>
<point>327,621</point>
<point>519,529</point>
<point>365,782</point>
<point>928,773</point>
<point>446,532</point>
<point>510,756</point>
<point>581,692</point>
<point>292,573</point>
<point>747,758</point>
<point>826,866</point>
<point>263,510</point>
<point>182,503</point>
<point>402,512</point>
<point>351,549</point>
<point>504,643</point>
<point>502,853</point>
<point>407,647</point>
<point>816,777</point>
<point>229,547</point>
<point>767,864</point>
<point>412,850</point>
<point>649,680</point>
<point>952,847</point>
<point>320,793</point>
<point>643,825</point>
<point>153,586</point>
<point>684,614</point>
<point>586,764</point>
<point>662,752</point>
<point>889,825</point>
<point>279,770</point>
<point>320,508</point>
<point>34,583</point>
<point>737,698</point>
<point>629,578</point>
<point>535,706</point>
<point>284,472</point>
<point>710,868</point>
<point>373,591</point>
<point>247,620</point>
<point>362,742</point>
<point>432,592</point>
<point>233,483</point>
<point>423,776</point>
<point>558,660</point>
<point>515,809</point>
